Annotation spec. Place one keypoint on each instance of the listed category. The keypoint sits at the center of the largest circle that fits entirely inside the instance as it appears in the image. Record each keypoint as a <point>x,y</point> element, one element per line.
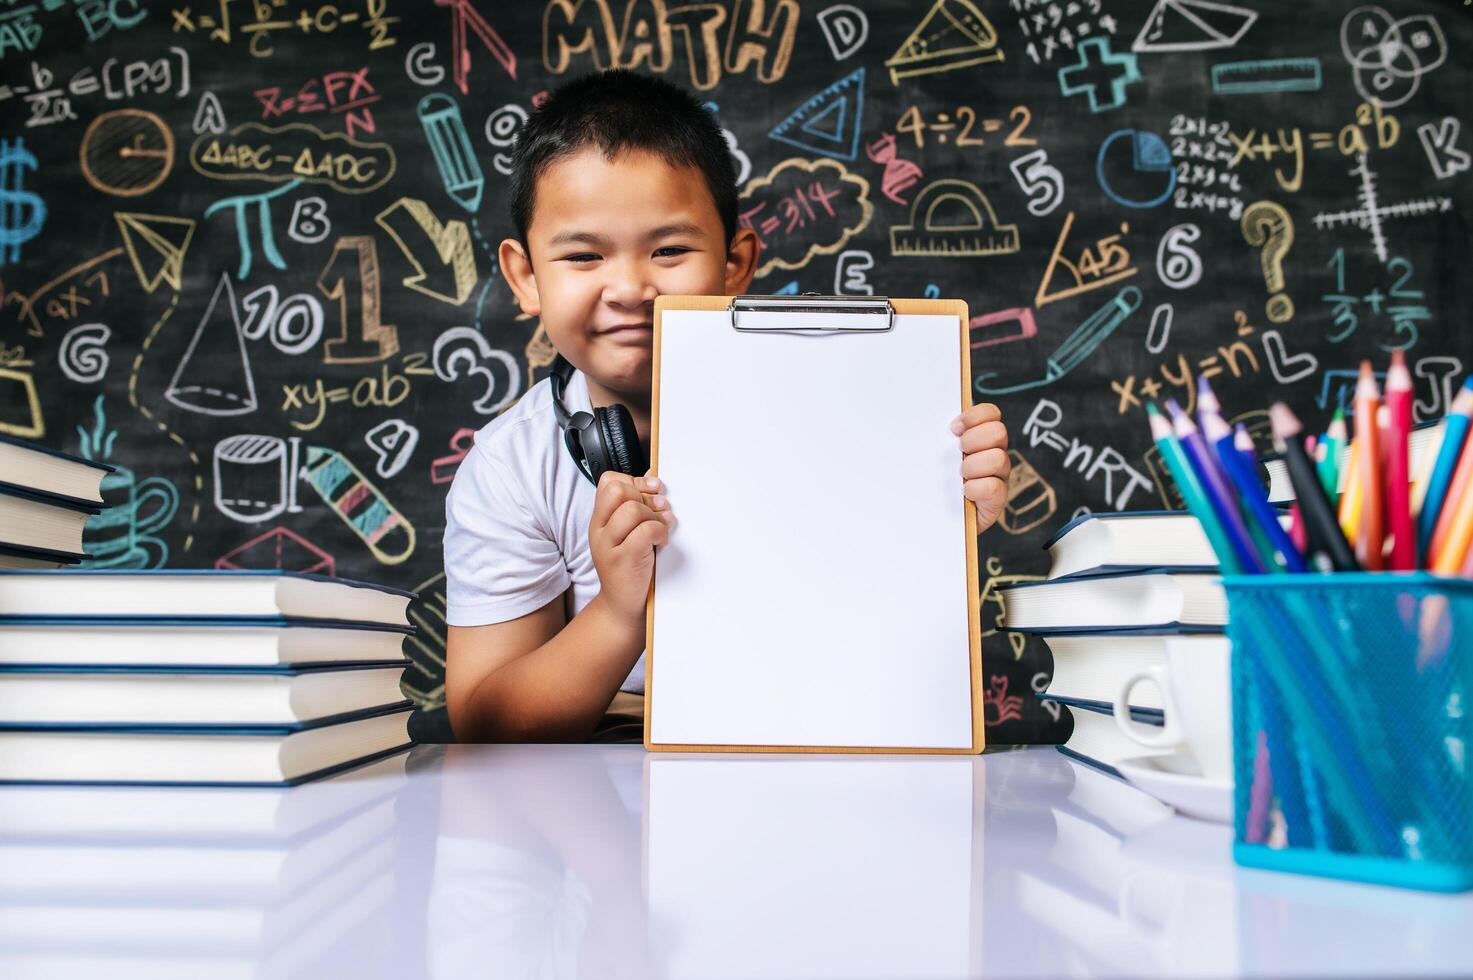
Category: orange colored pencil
<point>1371,537</point>
<point>1455,549</point>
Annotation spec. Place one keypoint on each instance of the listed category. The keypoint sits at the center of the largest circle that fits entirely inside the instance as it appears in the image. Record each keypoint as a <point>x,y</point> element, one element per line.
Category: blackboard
<point>246,248</point>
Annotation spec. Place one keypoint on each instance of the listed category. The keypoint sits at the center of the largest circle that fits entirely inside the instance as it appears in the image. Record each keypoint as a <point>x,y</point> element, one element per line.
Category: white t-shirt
<point>516,519</point>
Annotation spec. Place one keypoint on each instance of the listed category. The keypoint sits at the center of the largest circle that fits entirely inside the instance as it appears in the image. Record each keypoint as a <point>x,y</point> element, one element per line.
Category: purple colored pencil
<point>1215,487</point>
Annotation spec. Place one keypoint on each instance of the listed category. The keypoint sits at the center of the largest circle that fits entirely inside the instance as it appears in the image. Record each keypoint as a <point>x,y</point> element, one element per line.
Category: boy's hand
<point>985,464</point>
<point>627,525</point>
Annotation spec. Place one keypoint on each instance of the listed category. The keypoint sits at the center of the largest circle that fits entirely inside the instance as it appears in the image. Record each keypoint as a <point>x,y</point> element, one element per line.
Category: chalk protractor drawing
<point>156,246</point>
<point>952,217</point>
<point>829,122</point>
<point>954,34</point>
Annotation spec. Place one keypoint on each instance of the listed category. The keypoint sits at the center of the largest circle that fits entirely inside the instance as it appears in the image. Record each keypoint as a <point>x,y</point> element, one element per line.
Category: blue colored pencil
<point>1214,485</point>
<point>1250,491</point>
<point>1454,431</point>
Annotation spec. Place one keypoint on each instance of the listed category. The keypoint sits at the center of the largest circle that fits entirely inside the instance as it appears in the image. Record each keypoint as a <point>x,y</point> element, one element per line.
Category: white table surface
<point>604,861</point>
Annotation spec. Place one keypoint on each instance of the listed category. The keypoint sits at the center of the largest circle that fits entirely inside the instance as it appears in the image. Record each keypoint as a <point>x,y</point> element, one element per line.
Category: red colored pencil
<point>1398,466</point>
<point>1371,532</point>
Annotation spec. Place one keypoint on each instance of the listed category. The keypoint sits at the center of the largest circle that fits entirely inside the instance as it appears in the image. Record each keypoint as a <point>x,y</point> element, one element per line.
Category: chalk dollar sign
<point>22,213</point>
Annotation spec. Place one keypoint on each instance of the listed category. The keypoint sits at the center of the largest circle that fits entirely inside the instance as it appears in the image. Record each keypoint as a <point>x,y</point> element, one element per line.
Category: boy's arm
<point>534,679</point>
<point>538,678</point>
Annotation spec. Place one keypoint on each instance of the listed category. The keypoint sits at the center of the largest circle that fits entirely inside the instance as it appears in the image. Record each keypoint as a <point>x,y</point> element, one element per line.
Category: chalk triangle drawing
<point>953,34</point>
<point>214,376</point>
<point>166,240</point>
<point>828,123</point>
<point>1193,25</point>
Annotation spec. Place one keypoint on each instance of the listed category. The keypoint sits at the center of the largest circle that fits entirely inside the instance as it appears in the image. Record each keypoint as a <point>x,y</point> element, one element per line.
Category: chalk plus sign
<point>1099,67</point>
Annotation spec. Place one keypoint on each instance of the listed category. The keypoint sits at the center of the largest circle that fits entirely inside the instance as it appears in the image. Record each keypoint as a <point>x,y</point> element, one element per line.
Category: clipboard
<point>844,616</point>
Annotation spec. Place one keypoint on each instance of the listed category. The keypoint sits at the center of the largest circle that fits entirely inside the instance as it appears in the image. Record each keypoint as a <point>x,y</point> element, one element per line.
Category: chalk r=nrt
<point>451,145</point>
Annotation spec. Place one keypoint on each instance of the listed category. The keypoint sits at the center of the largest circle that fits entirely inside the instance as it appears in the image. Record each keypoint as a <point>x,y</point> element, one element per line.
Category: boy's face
<point>607,237</point>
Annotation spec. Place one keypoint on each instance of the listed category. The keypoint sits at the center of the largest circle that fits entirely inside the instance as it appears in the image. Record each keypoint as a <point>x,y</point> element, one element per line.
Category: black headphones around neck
<point>605,440</point>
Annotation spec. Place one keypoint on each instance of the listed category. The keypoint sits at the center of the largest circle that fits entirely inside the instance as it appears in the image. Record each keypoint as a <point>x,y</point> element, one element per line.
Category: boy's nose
<point>630,287</point>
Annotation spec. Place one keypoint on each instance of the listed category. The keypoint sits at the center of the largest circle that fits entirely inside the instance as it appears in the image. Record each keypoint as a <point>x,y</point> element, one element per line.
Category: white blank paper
<point>814,589</point>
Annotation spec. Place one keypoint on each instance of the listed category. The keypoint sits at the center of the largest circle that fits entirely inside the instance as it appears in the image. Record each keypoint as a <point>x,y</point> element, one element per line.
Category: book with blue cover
<point>35,520</point>
<point>1095,741</point>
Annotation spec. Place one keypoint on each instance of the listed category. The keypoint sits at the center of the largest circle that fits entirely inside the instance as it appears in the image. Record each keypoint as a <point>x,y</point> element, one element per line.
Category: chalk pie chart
<point>1134,168</point>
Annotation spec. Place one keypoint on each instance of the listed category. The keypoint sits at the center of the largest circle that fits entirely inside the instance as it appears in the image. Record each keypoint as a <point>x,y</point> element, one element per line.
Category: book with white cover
<point>265,755</point>
<point>198,696</point>
<point>199,594</point>
<point>1096,544</point>
<point>33,520</point>
<point>1091,666</point>
<point>1097,741</point>
<point>31,465</point>
<point>239,814</point>
<point>121,642</point>
<point>1147,597</point>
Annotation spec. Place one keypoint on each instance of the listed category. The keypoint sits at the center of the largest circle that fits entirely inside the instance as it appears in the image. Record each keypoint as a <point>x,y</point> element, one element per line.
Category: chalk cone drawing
<point>214,376</point>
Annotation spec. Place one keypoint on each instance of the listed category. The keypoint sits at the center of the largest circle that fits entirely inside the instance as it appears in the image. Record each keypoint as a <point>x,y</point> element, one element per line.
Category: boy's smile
<point>607,236</point>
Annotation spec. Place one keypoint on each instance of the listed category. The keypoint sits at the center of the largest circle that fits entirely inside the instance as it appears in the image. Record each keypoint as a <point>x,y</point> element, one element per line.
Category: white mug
<point>1196,692</point>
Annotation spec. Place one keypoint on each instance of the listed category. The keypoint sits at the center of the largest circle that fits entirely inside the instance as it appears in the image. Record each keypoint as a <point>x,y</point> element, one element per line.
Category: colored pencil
<point>1455,431</point>
<point>1321,457</point>
<point>1336,437</point>
<point>1191,488</point>
<point>1371,528</point>
<point>1399,467</point>
<point>1458,488</point>
<point>1422,464</point>
<point>1454,552</point>
<point>1261,516</point>
<point>1220,496</point>
<point>1319,518</point>
<point>1350,500</point>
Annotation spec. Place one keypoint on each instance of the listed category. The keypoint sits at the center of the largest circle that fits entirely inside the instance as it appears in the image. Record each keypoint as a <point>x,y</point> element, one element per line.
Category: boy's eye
<point>670,250</point>
<point>581,257</point>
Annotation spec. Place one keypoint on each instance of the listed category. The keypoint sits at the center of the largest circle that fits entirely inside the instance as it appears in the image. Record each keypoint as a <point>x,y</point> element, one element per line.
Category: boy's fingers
<point>987,435</point>
<point>989,462</point>
<point>990,494</point>
<point>625,518</point>
<point>650,534</point>
<point>613,489</point>
<point>977,414</point>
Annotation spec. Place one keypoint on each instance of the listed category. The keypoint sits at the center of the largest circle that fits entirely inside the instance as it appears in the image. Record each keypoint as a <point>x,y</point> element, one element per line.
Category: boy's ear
<point>516,266</point>
<point>741,261</point>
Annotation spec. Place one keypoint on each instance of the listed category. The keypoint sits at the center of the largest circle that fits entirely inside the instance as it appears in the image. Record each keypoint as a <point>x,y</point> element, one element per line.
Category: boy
<point>622,188</point>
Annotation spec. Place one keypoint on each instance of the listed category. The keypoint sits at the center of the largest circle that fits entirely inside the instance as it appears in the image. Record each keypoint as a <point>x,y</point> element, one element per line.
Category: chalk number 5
<point>1040,180</point>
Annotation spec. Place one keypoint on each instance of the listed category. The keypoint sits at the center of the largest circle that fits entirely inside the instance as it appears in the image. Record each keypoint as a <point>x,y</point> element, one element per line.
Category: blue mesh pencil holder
<point>1351,726</point>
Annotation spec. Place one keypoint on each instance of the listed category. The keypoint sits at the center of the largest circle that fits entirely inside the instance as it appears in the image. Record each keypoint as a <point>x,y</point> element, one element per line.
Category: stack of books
<point>45,500</point>
<point>1123,591</point>
<point>213,677</point>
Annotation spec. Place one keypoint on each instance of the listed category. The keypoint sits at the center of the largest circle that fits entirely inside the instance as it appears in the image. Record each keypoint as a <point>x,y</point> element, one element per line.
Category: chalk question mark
<point>1268,226</point>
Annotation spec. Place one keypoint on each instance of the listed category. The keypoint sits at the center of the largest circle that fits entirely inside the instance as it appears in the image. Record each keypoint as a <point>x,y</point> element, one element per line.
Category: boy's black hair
<point>615,111</point>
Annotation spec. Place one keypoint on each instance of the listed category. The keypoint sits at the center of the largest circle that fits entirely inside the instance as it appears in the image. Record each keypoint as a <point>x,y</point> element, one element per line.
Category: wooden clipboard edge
<point>924,307</point>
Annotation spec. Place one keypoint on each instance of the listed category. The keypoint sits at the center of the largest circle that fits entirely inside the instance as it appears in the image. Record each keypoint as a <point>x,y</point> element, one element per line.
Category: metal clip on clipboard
<point>811,313</point>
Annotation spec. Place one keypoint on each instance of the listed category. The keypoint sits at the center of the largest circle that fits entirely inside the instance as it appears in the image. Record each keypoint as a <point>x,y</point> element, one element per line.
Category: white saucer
<point>1162,777</point>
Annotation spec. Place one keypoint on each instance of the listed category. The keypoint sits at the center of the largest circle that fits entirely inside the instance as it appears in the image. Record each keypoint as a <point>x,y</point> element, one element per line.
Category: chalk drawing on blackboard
<point>373,340</point>
<point>1193,25</point>
<point>446,247</point>
<point>1287,368</point>
<point>1136,185</point>
<point>1178,265</point>
<point>1372,212</point>
<point>208,116</point>
<point>214,375</point>
<point>1040,180</point>
<point>442,468</point>
<point>460,170</point>
<point>952,218</point>
<point>362,506</point>
<point>501,129</point>
<point>802,208</point>
<point>1268,228</point>
<point>1106,262</point>
<point>156,245</point>
<point>20,405</point>
<point>294,325</point>
<point>1031,500</point>
<point>1095,329</point>
<point>262,204</point>
<point>899,173</point>
<point>953,34</point>
<point>83,353</point>
<point>1267,75</point>
<point>393,442</point>
<point>463,352</point>
<point>829,122</point>
<point>426,648</point>
<point>790,288</point>
<point>256,477</point>
<point>127,152</point>
<point>22,212</point>
<point>465,17</point>
<point>310,223</point>
<point>279,548</point>
<point>1439,141</point>
<point>1100,74</point>
<point>845,27</point>
<point>1441,372</point>
<point>851,273</point>
<point>1002,327</point>
<point>992,592</point>
<point>1389,57</point>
